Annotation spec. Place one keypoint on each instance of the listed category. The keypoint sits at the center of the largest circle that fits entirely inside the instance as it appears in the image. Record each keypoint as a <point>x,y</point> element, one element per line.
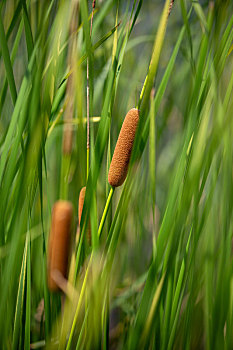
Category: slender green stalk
<point>152,157</point>
<point>88,160</point>
<point>80,338</point>
<point>106,321</point>
<point>88,97</point>
<point>87,270</point>
<point>65,167</point>
<point>105,212</point>
<point>20,298</point>
<point>28,295</point>
<point>82,293</point>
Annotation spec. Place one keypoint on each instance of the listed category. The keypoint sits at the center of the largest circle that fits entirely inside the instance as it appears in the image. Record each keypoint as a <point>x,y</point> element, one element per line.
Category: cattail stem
<point>79,304</point>
<point>88,98</point>
<point>81,334</point>
<point>105,212</point>
<point>106,321</point>
<point>88,268</point>
<point>77,262</point>
<point>88,151</point>
<point>108,187</point>
<point>88,117</point>
<point>67,142</point>
<point>142,93</point>
<point>65,166</point>
<point>146,79</point>
<point>152,166</point>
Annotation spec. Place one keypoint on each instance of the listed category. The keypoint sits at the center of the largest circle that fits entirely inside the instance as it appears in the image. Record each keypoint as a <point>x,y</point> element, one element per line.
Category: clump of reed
<point>121,157</point>
<point>59,242</point>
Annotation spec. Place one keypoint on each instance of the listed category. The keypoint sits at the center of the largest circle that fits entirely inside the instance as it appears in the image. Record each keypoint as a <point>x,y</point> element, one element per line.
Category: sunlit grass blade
<point>145,94</point>
<point>20,299</point>
<point>28,295</point>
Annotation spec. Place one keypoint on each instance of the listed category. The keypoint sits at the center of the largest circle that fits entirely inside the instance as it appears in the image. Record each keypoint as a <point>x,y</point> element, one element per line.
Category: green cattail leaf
<point>28,31</point>
<point>20,298</point>
<point>7,62</point>
<point>28,296</point>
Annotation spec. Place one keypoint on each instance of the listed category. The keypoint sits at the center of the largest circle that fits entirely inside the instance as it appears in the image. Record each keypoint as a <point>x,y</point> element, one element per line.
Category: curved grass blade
<point>13,56</point>
<point>24,90</point>
<point>19,302</point>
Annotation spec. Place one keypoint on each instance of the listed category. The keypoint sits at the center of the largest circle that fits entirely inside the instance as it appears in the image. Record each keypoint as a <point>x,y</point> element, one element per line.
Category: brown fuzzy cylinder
<point>80,209</point>
<point>59,241</point>
<point>80,203</point>
<point>121,157</point>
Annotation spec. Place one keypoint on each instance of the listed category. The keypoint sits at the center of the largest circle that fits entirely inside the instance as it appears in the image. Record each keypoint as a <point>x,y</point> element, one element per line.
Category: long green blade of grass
<point>7,62</point>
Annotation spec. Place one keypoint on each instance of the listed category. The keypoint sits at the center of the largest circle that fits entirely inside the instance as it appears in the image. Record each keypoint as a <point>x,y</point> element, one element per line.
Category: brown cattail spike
<point>80,203</point>
<point>80,209</point>
<point>121,157</point>
<point>59,241</point>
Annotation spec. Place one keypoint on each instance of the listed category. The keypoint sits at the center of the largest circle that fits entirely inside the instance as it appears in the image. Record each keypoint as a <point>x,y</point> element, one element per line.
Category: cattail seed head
<point>59,241</point>
<point>121,157</point>
<point>80,209</point>
<point>80,203</point>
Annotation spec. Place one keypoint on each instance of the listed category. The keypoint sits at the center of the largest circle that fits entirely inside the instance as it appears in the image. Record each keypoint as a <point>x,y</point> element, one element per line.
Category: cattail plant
<point>120,161</point>
<point>59,242</point>
<point>121,157</point>
<point>80,209</point>
<point>80,203</point>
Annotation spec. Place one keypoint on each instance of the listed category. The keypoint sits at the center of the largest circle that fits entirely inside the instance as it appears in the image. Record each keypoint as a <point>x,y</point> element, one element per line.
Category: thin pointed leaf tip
<point>121,157</point>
